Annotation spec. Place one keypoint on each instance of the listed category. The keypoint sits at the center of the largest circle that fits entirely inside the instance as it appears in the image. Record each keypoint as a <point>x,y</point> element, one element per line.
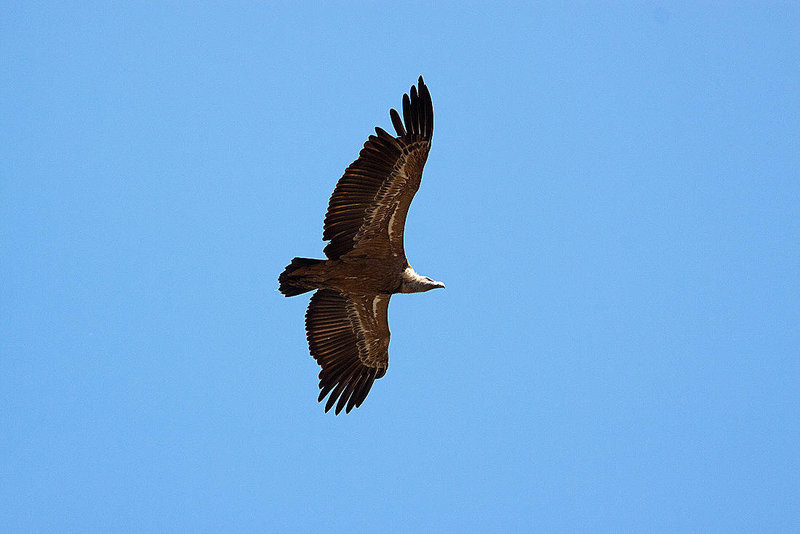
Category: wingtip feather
<point>397,123</point>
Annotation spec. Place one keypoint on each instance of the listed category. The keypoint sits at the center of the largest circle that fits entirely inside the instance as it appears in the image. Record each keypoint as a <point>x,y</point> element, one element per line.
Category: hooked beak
<point>439,285</point>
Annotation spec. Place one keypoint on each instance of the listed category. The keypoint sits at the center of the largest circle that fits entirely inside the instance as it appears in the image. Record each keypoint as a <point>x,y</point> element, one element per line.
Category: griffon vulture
<point>346,322</point>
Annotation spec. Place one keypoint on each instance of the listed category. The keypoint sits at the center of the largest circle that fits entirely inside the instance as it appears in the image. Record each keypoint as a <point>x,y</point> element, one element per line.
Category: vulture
<point>347,326</point>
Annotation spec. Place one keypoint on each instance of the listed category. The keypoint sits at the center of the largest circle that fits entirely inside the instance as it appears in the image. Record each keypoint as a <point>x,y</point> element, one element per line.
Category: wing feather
<point>348,335</point>
<point>397,123</point>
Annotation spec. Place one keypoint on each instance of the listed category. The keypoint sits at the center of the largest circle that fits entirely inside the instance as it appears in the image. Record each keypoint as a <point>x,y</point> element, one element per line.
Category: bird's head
<point>414,283</point>
<point>432,284</point>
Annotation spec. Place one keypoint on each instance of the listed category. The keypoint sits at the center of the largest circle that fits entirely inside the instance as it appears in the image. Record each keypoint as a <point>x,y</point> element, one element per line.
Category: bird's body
<point>346,322</point>
<point>354,275</point>
<point>362,275</point>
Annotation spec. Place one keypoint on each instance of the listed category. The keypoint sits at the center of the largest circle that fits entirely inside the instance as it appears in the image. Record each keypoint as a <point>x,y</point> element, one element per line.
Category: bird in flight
<point>346,322</point>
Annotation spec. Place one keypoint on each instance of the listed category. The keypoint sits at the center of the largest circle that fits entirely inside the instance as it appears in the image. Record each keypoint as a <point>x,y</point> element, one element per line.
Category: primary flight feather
<point>346,322</point>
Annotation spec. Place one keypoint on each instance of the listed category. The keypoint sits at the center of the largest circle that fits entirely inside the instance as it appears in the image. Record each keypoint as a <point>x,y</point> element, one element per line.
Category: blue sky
<point>612,198</point>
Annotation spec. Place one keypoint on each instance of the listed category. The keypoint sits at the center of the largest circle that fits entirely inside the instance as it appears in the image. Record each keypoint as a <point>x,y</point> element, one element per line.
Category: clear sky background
<point>612,198</point>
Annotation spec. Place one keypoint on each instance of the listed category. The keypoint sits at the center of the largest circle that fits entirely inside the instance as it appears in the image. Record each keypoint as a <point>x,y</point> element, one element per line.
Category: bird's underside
<point>346,322</point>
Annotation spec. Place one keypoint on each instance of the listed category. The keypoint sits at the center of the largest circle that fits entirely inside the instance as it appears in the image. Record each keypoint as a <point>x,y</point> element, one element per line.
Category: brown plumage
<point>346,323</point>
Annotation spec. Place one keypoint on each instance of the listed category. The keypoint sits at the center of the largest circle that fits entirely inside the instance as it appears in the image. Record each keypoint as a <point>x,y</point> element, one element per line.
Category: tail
<point>294,281</point>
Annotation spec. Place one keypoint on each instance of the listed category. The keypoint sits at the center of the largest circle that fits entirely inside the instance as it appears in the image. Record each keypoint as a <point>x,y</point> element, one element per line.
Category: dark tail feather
<point>294,283</point>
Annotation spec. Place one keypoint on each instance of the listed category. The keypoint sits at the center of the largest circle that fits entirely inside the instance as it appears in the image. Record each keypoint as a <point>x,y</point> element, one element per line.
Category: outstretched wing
<point>367,210</point>
<point>348,335</point>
